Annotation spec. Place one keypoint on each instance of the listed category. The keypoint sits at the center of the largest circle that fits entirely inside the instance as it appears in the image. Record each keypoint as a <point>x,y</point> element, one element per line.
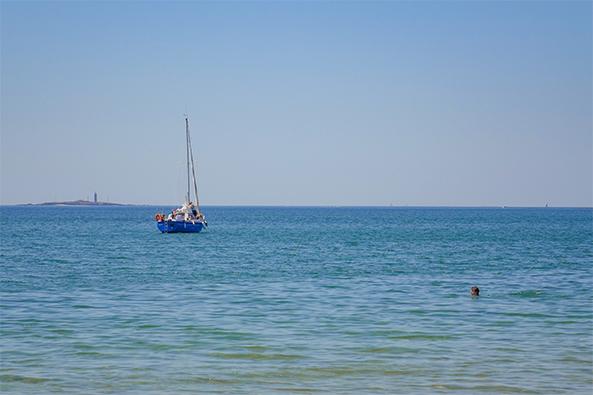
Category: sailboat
<point>188,218</point>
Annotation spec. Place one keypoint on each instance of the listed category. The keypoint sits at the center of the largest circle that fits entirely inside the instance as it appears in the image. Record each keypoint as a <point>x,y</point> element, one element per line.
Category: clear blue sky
<point>410,103</point>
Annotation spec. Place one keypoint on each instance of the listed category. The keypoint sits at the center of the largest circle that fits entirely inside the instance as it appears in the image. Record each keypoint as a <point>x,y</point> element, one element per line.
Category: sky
<point>298,103</point>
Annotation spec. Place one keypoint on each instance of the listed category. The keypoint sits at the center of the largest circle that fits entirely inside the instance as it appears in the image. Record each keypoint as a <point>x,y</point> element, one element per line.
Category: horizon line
<point>295,205</point>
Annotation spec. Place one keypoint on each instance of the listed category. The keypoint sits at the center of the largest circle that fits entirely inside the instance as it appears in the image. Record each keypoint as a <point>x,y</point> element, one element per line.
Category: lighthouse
<point>95,198</point>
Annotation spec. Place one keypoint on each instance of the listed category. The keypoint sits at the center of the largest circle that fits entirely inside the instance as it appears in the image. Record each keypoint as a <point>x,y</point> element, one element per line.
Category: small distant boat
<point>188,218</point>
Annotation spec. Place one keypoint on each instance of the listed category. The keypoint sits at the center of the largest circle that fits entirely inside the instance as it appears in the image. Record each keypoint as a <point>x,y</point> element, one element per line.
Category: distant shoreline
<point>77,203</point>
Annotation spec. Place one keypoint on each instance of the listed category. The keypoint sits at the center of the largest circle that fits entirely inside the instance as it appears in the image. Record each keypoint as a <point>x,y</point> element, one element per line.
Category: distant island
<point>76,203</point>
<point>80,202</point>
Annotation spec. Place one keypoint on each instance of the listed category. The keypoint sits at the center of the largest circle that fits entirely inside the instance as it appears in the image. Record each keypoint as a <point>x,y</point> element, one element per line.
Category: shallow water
<point>307,300</point>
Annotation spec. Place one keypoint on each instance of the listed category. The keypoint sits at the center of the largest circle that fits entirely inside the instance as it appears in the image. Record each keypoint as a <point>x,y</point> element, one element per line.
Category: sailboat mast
<point>193,171</point>
<point>187,155</point>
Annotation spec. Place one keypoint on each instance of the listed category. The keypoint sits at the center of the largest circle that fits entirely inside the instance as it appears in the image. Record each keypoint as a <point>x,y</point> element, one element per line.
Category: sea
<point>280,300</point>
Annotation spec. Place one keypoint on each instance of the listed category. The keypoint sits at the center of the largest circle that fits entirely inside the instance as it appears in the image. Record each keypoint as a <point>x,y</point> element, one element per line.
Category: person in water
<point>475,291</point>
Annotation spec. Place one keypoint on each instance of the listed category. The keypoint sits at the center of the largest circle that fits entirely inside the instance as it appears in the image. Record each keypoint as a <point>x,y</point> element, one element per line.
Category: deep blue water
<point>281,300</point>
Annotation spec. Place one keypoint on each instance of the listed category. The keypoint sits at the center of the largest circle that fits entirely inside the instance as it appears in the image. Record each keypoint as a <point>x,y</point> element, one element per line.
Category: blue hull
<point>179,227</point>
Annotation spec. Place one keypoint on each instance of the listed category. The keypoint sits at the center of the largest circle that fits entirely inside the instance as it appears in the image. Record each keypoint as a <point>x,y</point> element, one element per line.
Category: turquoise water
<point>282,300</point>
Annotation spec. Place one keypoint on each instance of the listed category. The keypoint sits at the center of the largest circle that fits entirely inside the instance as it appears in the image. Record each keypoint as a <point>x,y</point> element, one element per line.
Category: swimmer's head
<point>475,291</point>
